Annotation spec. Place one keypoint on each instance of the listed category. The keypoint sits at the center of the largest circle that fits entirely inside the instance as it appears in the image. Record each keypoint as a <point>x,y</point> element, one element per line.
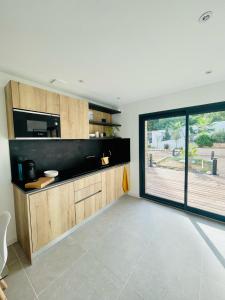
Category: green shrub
<point>204,140</point>
<point>219,137</point>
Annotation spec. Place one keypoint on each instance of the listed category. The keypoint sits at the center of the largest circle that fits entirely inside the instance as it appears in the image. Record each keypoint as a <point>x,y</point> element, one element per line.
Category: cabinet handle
<point>89,196</point>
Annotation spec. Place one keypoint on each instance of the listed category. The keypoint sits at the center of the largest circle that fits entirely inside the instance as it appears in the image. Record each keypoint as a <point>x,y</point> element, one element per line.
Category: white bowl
<point>51,173</point>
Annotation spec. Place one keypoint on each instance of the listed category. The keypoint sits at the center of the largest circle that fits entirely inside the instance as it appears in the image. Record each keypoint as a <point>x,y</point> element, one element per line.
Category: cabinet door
<point>12,93</point>
<point>32,98</point>
<point>74,118</point>
<point>108,186</point>
<point>103,194</point>
<point>89,206</point>
<point>52,213</point>
<point>61,205</point>
<point>52,103</point>
<point>119,181</point>
<point>40,220</point>
<point>98,201</point>
<point>79,207</point>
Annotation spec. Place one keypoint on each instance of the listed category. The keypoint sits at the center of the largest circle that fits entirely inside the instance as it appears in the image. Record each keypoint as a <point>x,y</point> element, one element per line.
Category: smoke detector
<point>205,17</point>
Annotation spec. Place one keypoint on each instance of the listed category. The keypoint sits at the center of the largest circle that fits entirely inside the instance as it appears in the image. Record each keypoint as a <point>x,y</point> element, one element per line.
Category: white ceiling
<point>132,49</point>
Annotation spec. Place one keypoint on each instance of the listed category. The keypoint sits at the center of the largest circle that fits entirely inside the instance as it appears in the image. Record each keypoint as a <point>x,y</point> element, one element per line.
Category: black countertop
<point>67,176</point>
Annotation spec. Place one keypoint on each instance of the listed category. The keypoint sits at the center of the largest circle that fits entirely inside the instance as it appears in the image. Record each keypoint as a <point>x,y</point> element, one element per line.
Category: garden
<point>167,137</point>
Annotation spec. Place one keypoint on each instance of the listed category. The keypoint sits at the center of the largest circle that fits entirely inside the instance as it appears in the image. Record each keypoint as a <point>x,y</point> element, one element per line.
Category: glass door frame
<point>206,108</point>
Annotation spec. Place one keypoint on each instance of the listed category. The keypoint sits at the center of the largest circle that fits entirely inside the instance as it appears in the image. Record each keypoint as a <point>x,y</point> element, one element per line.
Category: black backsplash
<point>67,154</point>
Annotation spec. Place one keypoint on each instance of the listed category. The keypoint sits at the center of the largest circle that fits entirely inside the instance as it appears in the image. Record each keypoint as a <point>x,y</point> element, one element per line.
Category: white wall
<point>6,192</point>
<point>130,112</point>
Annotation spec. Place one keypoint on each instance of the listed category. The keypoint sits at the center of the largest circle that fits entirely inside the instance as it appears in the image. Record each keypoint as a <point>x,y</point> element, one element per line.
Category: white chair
<point>4,222</point>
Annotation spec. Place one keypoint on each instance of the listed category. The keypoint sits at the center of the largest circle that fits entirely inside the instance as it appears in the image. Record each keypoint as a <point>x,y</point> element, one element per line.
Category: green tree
<point>204,140</point>
<point>192,151</point>
<point>166,135</point>
<point>176,130</point>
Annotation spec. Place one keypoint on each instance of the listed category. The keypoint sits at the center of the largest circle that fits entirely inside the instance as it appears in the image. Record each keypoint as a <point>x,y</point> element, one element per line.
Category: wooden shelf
<point>103,109</point>
<point>103,123</point>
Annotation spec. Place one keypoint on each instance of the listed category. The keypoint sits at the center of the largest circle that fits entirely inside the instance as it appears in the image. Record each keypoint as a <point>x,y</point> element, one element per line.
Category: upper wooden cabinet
<point>52,103</point>
<point>73,112</point>
<point>74,118</point>
<point>24,96</point>
<point>31,98</point>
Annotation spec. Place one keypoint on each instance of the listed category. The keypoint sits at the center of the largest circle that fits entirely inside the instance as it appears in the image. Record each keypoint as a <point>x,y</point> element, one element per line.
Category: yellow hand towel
<point>125,183</point>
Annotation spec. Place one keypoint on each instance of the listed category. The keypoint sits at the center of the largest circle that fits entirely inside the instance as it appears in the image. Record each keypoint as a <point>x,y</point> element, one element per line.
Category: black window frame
<point>186,111</point>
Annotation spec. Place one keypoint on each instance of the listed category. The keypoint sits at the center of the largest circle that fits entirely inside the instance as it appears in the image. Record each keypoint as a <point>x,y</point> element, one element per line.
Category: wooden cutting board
<point>40,183</point>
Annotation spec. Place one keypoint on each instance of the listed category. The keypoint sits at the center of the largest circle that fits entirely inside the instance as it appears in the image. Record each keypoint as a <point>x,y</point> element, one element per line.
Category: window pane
<point>165,158</point>
<point>206,168</point>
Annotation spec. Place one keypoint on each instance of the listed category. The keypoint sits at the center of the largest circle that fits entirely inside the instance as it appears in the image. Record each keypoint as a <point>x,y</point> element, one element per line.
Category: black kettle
<point>29,169</point>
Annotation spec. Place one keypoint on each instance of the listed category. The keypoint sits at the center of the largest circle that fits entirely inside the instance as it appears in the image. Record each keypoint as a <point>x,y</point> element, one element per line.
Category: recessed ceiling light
<point>208,72</point>
<point>205,17</point>
<point>80,81</point>
<point>58,81</point>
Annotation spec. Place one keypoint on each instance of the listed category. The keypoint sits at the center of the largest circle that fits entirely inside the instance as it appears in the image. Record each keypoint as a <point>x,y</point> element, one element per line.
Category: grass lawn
<point>177,163</point>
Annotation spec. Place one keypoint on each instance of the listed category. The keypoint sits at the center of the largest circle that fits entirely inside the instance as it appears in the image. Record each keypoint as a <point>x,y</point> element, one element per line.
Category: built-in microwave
<point>29,124</point>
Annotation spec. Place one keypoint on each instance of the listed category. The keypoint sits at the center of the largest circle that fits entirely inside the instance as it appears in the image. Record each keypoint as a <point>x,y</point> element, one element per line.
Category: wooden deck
<point>206,192</point>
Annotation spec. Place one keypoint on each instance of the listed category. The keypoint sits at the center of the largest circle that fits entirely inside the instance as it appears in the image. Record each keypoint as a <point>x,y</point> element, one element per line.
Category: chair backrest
<point>4,222</point>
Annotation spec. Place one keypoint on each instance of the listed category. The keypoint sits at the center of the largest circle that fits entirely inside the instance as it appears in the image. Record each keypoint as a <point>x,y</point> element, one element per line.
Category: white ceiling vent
<point>205,17</point>
<point>57,82</point>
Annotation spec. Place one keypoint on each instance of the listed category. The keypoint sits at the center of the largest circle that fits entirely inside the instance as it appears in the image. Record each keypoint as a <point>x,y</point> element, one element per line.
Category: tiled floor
<point>134,250</point>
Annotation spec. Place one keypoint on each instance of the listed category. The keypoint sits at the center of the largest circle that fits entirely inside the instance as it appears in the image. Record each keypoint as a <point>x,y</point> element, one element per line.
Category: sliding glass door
<point>206,163</point>
<point>165,157</point>
<point>182,158</point>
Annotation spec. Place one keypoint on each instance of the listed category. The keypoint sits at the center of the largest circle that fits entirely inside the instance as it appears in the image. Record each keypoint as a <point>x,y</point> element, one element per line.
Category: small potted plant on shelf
<point>112,131</point>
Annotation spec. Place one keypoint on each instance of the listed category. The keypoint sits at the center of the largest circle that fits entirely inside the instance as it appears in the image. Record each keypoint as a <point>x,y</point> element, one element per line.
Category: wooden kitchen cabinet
<point>73,112</point>
<point>79,208</point>
<point>118,181</point>
<point>88,191</point>
<point>52,103</point>
<point>32,98</point>
<point>22,214</point>
<point>89,206</point>
<point>109,193</point>
<point>112,182</point>
<point>27,97</point>
<point>74,118</point>
<point>44,216</point>
<point>52,213</point>
<point>87,181</point>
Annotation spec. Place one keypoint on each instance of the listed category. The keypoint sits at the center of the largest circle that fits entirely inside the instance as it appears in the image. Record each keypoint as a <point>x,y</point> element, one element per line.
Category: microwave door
<point>29,124</point>
<point>38,128</point>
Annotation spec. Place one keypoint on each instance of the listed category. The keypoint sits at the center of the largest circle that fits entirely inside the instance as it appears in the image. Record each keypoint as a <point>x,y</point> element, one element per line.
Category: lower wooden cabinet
<point>52,213</point>
<point>109,185</point>
<point>44,216</point>
<point>79,208</point>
